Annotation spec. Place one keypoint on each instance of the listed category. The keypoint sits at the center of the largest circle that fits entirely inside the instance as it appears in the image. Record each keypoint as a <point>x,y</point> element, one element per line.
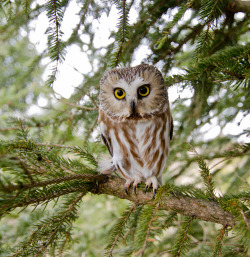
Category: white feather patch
<point>105,165</point>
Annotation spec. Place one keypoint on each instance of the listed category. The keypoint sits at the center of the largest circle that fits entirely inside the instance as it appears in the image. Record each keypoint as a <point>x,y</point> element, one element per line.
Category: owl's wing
<point>171,128</point>
<point>106,140</point>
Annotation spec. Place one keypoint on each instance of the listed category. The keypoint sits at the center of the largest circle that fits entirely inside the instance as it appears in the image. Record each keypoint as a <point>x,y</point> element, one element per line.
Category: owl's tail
<point>105,165</point>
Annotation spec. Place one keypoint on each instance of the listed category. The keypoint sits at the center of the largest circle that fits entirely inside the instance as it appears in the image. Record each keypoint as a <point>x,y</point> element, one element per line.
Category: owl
<point>136,124</point>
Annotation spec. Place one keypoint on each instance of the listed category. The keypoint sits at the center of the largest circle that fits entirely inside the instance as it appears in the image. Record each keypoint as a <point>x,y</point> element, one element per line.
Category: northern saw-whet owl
<point>136,124</point>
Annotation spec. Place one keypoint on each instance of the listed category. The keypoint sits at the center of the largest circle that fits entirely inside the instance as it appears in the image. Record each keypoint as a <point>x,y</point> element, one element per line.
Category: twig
<point>79,107</point>
<point>83,16</point>
<point>247,221</point>
<point>225,159</point>
<point>54,145</point>
<point>93,101</point>
<point>12,128</point>
<point>90,131</point>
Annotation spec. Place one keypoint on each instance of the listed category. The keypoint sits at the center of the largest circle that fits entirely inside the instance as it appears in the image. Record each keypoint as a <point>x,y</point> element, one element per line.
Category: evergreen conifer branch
<point>131,228</point>
<point>236,150</point>
<point>219,240</point>
<point>186,200</point>
<point>243,232</point>
<point>189,206</point>
<point>10,188</point>
<point>148,19</point>
<point>210,9</point>
<point>203,42</point>
<point>183,8</point>
<point>50,230</point>
<point>27,6</point>
<point>145,222</point>
<point>117,231</point>
<point>148,216</point>
<point>185,190</point>
<point>182,239</point>
<point>170,218</point>
<point>7,4</point>
<point>39,196</point>
<point>122,33</point>
<point>56,46</point>
<point>246,219</point>
<point>245,196</point>
<point>85,11</point>
<point>206,176</point>
<point>230,65</point>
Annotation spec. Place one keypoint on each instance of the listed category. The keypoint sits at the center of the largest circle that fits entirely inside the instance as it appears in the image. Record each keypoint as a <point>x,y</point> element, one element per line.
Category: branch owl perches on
<point>136,124</point>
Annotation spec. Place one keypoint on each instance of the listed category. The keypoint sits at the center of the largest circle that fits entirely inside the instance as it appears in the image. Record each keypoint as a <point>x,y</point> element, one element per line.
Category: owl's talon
<point>148,185</point>
<point>155,191</point>
<point>126,186</point>
<point>135,189</point>
<point>126,189</point>
<point>137,180</point>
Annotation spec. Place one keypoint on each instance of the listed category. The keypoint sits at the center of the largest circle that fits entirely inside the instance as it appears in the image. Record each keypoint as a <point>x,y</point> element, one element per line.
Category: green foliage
<point>49,184</point>
<point>204,43</point>
<point>218,245</point>
<point>211,9</point>
<point>144,228</point>
<point>206,177</point>
<point>55,13</point>
<point>183,8</point>
<point>182,241</point>
<point>54,232</point>
<point>121,37</point>
<point>116,232</point>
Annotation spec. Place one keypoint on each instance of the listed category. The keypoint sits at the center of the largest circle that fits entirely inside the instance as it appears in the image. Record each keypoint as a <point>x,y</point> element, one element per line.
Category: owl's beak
<point>133,106</point>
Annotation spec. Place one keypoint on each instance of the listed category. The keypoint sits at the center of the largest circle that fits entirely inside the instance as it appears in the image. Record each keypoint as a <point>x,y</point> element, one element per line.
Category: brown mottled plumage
<point>136,124</point>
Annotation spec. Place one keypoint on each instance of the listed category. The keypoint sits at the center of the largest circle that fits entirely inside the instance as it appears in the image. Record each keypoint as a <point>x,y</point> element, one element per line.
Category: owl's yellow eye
<point>119,93</point>
<point>143,90</point>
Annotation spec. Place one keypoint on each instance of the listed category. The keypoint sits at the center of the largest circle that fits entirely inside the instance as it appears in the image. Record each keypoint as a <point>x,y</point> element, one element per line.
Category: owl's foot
<point>152,181</point>
<point>127,184</point>
<point>136,181</point>
<point>155,191</point>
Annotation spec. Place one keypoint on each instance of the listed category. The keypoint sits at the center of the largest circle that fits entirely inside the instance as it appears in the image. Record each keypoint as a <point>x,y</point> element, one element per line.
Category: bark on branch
<point>197,208</point>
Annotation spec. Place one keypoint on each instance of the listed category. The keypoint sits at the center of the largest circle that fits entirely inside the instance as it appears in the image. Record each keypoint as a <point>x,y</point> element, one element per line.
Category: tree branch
<point>113,185</point>
<point>198,208</point>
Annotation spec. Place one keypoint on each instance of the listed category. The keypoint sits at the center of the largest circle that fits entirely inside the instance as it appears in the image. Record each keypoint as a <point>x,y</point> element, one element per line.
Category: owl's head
<point>133,93</point>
